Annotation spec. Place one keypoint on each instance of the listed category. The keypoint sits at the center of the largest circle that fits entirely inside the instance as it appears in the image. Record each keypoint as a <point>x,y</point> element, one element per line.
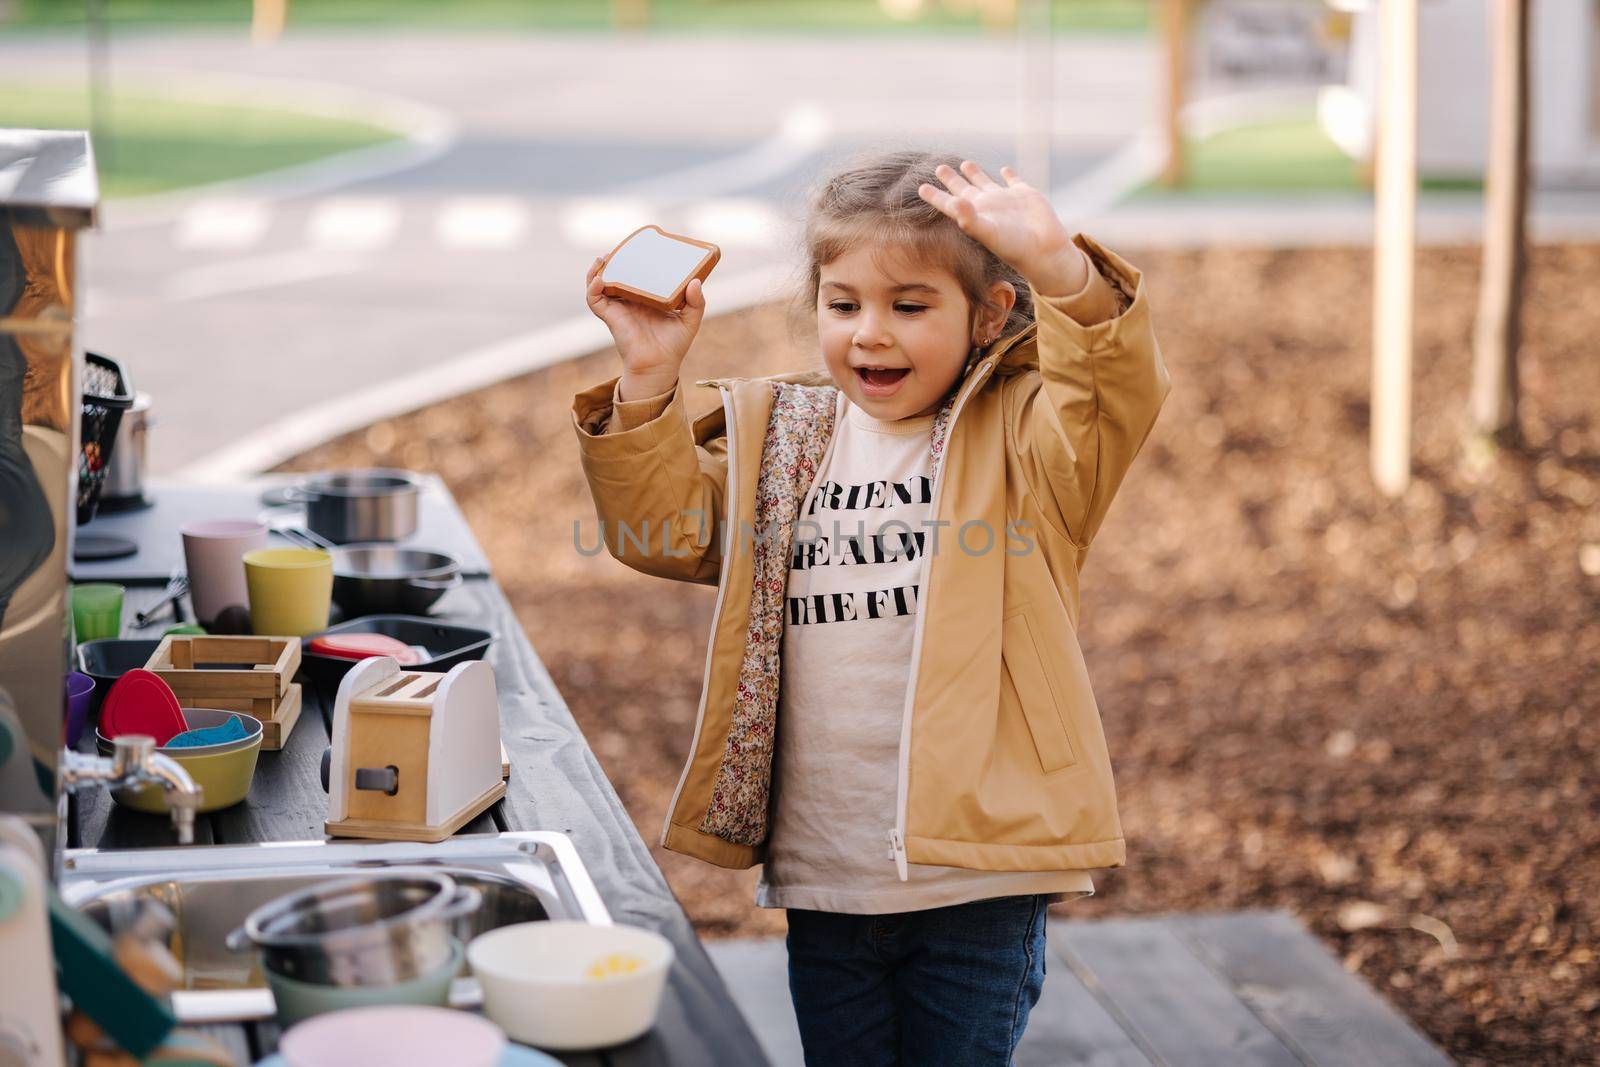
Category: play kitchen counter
<point>555,784</point>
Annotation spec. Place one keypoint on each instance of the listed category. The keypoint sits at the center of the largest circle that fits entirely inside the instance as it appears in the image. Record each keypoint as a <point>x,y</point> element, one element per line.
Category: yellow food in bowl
<point>614,964</point>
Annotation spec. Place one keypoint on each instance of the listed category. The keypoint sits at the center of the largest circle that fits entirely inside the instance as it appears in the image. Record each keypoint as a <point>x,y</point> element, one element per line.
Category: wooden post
<point>1036,121</point>
<point>630,14</point>
<point>267,19</point>
<point>1505,187</point>
<point>1175,36</point>
<point>1395,246</point>
<point>997,15</point>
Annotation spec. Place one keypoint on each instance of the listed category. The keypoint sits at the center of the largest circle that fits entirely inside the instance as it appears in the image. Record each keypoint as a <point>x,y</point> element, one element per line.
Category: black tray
<point>107,660</point>
<point>447,646</point>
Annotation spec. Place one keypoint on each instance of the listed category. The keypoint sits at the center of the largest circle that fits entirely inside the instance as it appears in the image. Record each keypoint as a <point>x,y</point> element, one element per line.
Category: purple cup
<point>79,689</point>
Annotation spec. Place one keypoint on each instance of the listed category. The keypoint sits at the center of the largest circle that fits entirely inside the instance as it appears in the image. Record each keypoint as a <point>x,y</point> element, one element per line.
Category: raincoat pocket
<point>1036,692</point>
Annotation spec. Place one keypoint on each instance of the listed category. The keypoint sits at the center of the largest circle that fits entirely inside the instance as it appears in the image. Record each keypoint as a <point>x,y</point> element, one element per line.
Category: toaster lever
<point>379,779</point>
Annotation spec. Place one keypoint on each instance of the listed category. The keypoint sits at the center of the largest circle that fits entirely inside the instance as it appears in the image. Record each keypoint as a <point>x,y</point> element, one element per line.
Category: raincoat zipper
<point>897,833</point>
<point>732,513</point>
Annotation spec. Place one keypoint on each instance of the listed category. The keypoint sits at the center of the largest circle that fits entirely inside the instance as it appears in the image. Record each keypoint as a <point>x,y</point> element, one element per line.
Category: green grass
<point>155,143</point>
<point>1111,16</point>
<point>1292,156</point>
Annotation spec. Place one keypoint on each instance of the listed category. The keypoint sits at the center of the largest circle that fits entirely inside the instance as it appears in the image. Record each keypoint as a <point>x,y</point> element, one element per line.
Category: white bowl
<point>401,1035</point>
<point>535,984</point>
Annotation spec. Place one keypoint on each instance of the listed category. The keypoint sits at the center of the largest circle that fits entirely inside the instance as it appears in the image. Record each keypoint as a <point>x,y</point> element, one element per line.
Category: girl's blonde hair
<point>872,202</point>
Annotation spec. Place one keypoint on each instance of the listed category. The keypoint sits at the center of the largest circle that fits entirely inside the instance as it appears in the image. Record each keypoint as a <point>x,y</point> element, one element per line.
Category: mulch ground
<point>1382,715</point>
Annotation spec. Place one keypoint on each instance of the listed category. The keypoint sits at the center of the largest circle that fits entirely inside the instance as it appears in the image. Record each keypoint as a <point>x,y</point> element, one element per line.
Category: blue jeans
<point>947,986</point>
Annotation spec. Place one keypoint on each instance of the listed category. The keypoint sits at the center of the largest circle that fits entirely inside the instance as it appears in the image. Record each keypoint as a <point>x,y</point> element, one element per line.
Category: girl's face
<point>894,336</point>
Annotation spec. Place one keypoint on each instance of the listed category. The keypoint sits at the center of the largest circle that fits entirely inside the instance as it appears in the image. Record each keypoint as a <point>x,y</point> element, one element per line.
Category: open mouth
<point>882,377</point>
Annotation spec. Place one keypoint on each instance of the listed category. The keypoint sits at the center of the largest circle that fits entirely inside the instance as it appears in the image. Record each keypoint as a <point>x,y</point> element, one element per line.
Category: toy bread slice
<point>654,268</point>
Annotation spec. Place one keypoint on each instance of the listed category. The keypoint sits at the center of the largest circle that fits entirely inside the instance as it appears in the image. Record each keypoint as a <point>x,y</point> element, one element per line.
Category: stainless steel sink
<point>524,876</point>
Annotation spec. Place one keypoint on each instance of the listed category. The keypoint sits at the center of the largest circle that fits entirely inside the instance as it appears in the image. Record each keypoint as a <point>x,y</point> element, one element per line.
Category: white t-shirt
<point>851,608</point>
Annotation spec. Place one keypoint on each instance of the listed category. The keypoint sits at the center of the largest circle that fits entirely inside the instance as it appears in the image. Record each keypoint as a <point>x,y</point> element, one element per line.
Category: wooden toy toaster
<point>416,755</point>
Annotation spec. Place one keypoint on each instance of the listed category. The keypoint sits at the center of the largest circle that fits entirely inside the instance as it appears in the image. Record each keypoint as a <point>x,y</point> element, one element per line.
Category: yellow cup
<point>290,590</point>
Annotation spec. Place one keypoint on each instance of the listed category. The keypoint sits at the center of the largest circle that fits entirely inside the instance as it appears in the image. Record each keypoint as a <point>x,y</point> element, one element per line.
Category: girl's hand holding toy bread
<point>652,343</point>
<point>1016,222</point>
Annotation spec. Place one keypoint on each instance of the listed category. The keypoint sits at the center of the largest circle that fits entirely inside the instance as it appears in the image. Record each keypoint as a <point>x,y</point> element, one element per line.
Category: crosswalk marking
<point>222,223</point>
<point>734,223</point>
<point>600,222</point>
<point>466,223</point>
<point>482,222</point>
<point>353,224</point>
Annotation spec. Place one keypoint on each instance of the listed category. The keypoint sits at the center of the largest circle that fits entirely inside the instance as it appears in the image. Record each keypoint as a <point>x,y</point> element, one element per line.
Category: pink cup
<point>213,553</point>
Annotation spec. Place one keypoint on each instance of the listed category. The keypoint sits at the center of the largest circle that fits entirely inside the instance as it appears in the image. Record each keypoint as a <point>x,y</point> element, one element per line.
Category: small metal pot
<point>124,485</point>
<point>359,505</point>
<point>383,579</point>
<point>378,579</point>
<point>374,930</point>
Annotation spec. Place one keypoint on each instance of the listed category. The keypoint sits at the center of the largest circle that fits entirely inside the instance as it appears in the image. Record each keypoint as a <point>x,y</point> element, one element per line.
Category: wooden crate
<point>262,687</point>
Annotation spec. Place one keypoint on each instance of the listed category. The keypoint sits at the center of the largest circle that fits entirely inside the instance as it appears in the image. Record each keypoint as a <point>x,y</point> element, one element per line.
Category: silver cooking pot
<point>124,485</point>
<point>359,505</point>
<point>374,930</point>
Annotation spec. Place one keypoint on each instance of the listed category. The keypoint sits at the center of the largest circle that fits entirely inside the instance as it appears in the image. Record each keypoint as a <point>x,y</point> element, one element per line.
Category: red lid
<point>363,646</point>
<point>141,703</point>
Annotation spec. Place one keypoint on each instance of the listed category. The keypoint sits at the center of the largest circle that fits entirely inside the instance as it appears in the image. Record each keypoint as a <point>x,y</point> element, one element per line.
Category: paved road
<point>237,312</point>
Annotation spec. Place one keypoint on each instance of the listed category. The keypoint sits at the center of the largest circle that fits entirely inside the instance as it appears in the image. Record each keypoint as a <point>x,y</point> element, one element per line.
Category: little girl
<point>895,718</point>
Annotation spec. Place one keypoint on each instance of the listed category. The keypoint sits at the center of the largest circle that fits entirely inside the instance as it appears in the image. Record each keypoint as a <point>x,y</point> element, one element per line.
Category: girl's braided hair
<point>873,202</point>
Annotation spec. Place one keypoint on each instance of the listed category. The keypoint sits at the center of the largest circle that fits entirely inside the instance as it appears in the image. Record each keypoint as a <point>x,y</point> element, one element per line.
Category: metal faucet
<point>134,761</point>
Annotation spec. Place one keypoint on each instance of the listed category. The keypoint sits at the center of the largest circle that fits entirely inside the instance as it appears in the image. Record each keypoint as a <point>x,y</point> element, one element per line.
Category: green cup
<point>97,611</point>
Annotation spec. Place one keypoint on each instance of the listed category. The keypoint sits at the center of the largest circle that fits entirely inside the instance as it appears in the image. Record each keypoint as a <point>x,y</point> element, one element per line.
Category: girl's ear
<point>991,318</point>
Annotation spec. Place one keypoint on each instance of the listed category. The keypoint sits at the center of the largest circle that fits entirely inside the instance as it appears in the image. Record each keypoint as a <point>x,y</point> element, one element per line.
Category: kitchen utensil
<point>107,660</point>
<point>249,674</point>
<point>378,578</point>
<point>124,484</point>
<point>373,930</point>
<point>141,703</point>
<point>394,1036</point>
<point>80,687</point>
<point>223,772</point>
<point>382,579</point>
<point>536,982</point>
<point>416,755</point>
<point>290,590</point>
<point>378,504</point>
<point>363,646</point>
<point>444,645</point>
<point>213,554</point>
<point>297,1000</point>
<point>177,585</point>
<point>97,611</point>
<point>654,268</point>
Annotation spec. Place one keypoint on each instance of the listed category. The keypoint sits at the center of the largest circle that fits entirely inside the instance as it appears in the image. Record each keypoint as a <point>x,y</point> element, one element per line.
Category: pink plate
<point>141,703</point>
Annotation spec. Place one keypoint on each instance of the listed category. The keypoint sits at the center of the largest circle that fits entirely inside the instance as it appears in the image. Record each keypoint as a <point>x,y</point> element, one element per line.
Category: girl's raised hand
<point>1015,221</point>
<point>652,343</point>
